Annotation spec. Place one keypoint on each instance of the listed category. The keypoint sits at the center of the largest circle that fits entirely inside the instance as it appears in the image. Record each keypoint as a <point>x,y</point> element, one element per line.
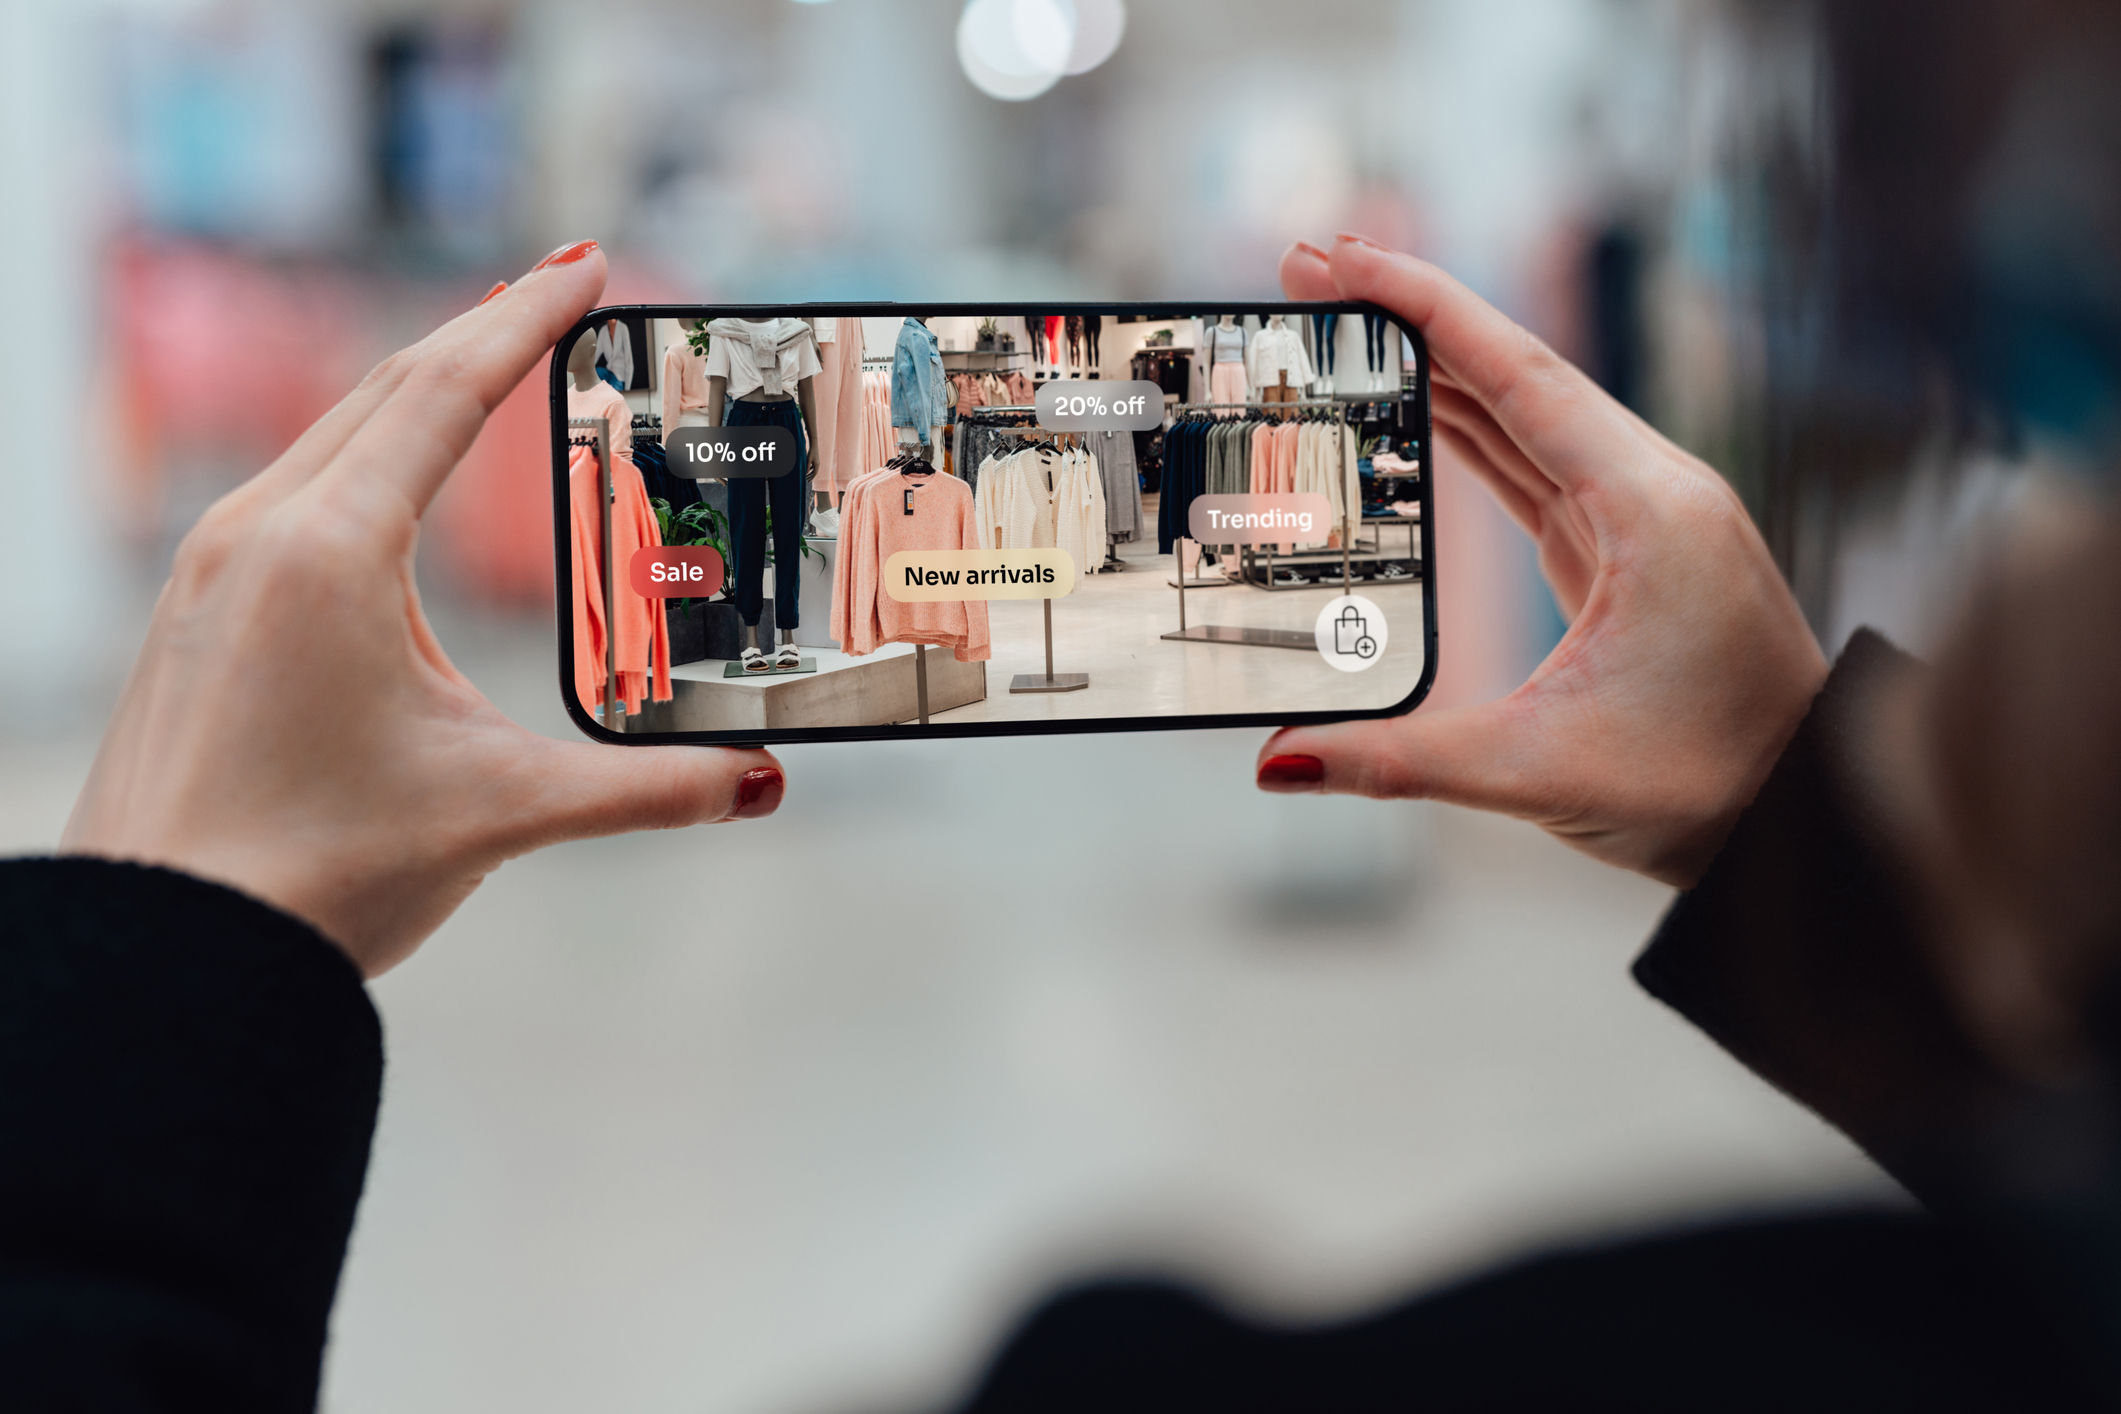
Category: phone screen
<point>817,522</point>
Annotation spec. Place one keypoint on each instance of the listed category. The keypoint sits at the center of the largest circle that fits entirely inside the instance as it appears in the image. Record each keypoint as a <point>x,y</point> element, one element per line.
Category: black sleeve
<point>1798,952</point>
<point>188,1084</point>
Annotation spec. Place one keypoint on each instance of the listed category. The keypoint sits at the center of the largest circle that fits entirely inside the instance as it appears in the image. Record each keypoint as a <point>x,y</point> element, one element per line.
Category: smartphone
<point>842,522</point>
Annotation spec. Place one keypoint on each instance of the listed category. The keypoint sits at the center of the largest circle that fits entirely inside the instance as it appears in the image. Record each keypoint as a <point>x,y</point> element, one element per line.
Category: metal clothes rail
<point>1256,637</point>
<point>1033,682</point>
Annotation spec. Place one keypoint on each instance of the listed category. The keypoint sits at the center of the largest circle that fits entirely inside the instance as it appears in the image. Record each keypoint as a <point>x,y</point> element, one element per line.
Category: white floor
<point>1112,628</point>
<point>795,1116</point>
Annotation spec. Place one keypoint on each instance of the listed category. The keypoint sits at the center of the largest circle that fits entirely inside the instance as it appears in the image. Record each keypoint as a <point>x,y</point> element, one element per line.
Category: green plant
<point>697,524</point>
<point>802,541</point>
<point>989,327</point>
<point>696,338</point>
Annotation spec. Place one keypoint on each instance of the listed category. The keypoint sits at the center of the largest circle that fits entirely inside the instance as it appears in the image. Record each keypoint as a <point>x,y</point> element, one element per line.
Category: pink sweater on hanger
<point>942,519</point>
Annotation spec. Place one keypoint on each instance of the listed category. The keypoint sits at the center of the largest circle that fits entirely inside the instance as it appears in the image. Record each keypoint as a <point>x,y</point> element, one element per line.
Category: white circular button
<point>1351,633</point>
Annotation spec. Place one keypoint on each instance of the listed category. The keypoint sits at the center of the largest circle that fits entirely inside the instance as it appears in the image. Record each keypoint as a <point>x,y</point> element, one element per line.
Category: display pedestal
<point>877,690</point>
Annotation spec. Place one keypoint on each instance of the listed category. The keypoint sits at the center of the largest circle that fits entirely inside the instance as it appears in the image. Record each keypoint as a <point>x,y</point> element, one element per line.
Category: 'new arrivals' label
<point>913,576</point>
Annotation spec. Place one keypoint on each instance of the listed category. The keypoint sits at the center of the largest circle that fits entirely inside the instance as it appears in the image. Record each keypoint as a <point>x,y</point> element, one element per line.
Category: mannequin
<point>1227,375</point>
<point>582,362</point>
<point>764,356</point>
<point>591,396</point>
<point>684,386</point>
<point>1276,362</point>
<point>919,392</point>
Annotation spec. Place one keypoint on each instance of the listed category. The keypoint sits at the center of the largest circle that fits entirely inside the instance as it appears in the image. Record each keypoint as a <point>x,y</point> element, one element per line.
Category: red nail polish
<point>1354,239</point>
<point>1311,250</point>
<point>566,254</point>
<point>758,794</point>
<point>1291,773</point>
<point>492,292</point>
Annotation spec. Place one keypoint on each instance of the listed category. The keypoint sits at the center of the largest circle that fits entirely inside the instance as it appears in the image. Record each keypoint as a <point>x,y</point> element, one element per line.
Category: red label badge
<point>675,571</point>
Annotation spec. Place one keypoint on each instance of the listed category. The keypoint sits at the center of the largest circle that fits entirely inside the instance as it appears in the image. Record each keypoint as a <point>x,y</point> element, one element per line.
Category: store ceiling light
<point>1098,27</point>
<point>1017,49</point>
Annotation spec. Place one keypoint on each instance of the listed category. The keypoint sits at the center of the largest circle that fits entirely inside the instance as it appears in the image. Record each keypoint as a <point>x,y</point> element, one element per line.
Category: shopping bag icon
<point>1351,634</point>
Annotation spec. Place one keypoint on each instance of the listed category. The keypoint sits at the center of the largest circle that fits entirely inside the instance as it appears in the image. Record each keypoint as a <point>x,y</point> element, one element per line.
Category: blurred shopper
<point>1900,905</point>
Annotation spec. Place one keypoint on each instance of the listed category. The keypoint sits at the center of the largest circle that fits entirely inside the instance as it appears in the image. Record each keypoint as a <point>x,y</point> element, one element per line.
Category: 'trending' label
<point>1280,519</point>
<point>925,576</point>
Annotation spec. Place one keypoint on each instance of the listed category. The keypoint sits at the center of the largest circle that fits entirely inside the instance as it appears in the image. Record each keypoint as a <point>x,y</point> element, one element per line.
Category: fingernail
<point>1354,239</point>
<point>566,254</point>
<point>1311,250</point>
<point>492,292</point>
<point>758,794</point>
<point>1290,774</point>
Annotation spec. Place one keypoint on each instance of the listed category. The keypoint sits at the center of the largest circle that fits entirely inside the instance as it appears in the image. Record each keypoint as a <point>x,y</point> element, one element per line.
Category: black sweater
<point>189,1081</point>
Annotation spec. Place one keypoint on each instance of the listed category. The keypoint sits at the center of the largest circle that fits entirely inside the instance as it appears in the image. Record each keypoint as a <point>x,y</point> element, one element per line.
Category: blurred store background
<point>796,1116</point>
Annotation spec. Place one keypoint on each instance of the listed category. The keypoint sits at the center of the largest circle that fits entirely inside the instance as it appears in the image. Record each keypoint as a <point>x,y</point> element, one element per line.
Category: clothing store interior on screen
<point>1077,469</point>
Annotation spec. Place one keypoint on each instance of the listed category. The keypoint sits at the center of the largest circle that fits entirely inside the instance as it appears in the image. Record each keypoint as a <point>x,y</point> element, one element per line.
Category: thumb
<point>1474,756</point>
<point>585,791</point>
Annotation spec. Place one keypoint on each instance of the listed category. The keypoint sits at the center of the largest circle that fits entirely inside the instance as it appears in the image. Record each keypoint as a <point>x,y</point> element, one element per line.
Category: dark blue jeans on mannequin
<point>749,496</point>
<point>1375,330</point>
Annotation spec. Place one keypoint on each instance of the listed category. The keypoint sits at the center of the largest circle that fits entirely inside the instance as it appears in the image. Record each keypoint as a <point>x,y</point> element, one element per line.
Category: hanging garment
<point>920,395</point>
<point>889,512</point>
<point>838,395</point>
<point>1075,340</point>
<point>970,392</point>
<point>1093,325</point>
<point>679,491</point>
<point>639,633</point>
<point>770,356</point>
<point>1184,466</point>
<point>876,420</point>
<point>1275,351</point>
<point>1123,487</point>
<point>1079,510</point>
<point>684,384</point>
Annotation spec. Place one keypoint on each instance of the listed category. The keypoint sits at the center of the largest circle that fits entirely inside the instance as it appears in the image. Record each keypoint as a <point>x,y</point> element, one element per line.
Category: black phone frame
<point>885,309</point>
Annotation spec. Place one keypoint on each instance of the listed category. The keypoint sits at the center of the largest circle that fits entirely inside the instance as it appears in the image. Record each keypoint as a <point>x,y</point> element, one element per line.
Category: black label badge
<point>731,453</point>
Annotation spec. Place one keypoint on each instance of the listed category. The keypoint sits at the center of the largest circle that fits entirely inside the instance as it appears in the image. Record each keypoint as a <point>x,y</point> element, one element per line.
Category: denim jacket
<point>920,395</point>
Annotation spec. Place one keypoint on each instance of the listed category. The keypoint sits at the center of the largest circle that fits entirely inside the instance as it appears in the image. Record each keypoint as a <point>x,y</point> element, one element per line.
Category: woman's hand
<point>293,729</point>
<point>1686,666</point>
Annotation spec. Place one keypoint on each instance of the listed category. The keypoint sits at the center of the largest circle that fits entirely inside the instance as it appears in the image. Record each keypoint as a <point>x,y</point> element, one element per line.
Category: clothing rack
<point>1050,681</point>
<point>1256,637</point>
<point>612,721</point>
